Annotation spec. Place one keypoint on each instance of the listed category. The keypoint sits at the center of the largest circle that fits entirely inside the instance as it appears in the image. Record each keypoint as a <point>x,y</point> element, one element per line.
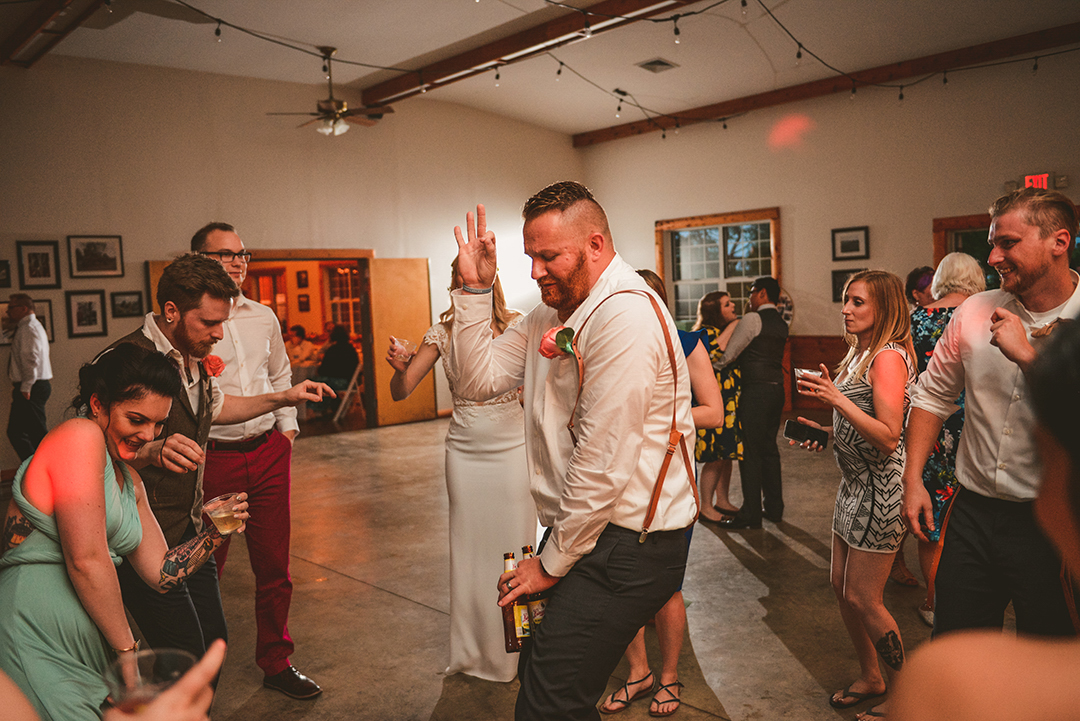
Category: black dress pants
<point>994,553</point>
<point>188,617</point>
<point>26,424</point>
<point>593,614</point>
<point>760,408</point>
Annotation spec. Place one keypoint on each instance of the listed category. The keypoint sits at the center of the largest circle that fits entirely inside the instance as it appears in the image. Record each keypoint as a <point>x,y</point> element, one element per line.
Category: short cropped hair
<point>198,241</point>
<point>191,276</point>
<point>770,285</point>
<point>1047,210</point>
<point>21,300</point>
<point>564,196</point>
<point>958,273</point>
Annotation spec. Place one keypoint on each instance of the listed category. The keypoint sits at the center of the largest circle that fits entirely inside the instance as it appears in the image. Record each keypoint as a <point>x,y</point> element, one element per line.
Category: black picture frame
<point>43,311</point>
<point>86,313</point>
<point>303,303</point>
<point>5,274</point>
<point>39,264</point>
<point>95,256</point>
<point>127,304</point>
<point>301,279</point>
<point>839,280</point>
<point>851,243</point>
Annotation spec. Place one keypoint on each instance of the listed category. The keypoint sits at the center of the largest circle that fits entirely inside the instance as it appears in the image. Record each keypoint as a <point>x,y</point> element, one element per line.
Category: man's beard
<point>186,345</point>
<point>566,295</point>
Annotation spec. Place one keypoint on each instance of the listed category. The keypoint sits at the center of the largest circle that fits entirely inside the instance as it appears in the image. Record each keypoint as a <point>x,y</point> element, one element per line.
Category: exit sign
<point>1040,180</point>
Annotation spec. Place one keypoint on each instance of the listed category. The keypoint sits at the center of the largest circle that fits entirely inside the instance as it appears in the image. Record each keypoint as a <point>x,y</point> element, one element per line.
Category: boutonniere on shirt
<point>213,365</point>
<point>557,341</point>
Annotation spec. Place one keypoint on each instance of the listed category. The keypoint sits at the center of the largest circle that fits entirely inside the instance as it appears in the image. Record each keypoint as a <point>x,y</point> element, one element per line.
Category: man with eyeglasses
<point>30,372</point>
<point>255,457</point>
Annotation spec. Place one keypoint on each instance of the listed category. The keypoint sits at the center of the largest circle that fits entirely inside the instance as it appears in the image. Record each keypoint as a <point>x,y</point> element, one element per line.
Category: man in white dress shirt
<point>993,551</point>
<point>607,578</point>
<point>254,457</point>
<point>30,372</point>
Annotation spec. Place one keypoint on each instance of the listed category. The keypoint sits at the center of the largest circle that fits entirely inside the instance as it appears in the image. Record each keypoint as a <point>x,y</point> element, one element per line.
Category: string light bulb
<point>725,124</point>
<point>217,31</point>
<point>853,90</point>
<point>558,72</point>
<point>901,92</point>
<point>587,32</point>
<point>744,8</point>
<point>798,56</point>
<point>1035,68</point>
<point>497,76</point>
<point>676,24</point>
<point>945,77</point>
<point>663,134</point>
<point>618,110</point>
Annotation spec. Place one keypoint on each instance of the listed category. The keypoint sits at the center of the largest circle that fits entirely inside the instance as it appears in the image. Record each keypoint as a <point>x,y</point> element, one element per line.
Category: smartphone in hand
<point>800,432</point>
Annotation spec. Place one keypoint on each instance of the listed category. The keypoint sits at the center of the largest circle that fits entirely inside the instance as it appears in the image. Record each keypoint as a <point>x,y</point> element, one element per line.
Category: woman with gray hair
<point>957,277</point>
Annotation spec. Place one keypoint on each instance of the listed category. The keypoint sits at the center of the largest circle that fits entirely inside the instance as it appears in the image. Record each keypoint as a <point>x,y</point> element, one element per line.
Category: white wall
<point>152,154</point>
<point>876,161</point>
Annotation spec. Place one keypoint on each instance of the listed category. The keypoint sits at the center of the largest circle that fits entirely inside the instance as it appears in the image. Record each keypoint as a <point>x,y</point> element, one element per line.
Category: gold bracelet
<point>126,650</point>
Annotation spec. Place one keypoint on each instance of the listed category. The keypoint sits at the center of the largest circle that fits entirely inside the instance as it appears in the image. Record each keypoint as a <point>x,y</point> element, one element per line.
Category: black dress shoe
<point>735,523</point>
<point>292,683</point>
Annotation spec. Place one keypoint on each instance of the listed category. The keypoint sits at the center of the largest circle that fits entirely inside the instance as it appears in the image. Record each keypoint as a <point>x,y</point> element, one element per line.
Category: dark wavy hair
<point>126,372</point>
<point>191,276</point>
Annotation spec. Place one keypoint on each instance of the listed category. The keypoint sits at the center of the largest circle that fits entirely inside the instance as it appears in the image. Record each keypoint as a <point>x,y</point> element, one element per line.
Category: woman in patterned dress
<point>487,480</point>
<point>958,276</point>
<point>869,401</point>
<point>716,448</point>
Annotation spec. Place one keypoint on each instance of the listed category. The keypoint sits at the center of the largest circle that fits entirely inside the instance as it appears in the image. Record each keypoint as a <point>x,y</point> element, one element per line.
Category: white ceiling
<point>723,54</point>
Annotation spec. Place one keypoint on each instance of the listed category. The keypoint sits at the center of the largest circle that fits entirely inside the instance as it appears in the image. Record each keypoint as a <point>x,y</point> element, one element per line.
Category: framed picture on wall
<point>301,279</point>
<point>95,256</point>
<point>39,264</point>
<point>303,303</point>
<point>127,304</point>
<point>86,313</point>
<point>43,311</point>
<point>5,274</point>
<point>839,280</point>
<point>851,243</point>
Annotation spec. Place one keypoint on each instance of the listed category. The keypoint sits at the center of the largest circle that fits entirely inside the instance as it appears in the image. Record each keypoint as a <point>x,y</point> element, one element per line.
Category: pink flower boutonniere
<point>557,341</point>
<point>213,365</point>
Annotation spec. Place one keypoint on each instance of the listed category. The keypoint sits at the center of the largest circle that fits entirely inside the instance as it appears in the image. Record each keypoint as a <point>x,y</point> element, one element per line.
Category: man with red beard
<point>993,552</point>
<point>594,485</point>
<point>196,296</point>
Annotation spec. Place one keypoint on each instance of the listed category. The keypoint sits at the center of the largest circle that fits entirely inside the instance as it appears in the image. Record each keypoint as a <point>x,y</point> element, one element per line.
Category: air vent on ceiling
<point>657,65</point>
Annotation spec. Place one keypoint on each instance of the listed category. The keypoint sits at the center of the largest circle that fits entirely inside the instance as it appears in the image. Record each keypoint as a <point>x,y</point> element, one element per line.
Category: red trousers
<point>264,475</point>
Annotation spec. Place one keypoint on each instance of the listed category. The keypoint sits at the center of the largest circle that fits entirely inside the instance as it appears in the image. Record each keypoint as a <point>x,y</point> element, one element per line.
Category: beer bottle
<point>515,616</point>
<point>537,601</point>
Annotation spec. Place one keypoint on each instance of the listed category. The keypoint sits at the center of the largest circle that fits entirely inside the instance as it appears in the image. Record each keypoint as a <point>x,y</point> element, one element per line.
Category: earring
<point>168,320</point>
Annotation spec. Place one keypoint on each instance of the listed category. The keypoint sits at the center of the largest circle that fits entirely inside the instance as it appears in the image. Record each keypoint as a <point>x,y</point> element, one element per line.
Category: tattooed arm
<point>16,528</point>
<point>166,568</point>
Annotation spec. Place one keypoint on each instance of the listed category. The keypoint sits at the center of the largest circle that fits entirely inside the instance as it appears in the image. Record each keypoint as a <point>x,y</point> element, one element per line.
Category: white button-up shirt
<point>29,354</point>
<point>997,455</point>
<point>623,419</point>
<point>190,379</point>
<point>255,363</point>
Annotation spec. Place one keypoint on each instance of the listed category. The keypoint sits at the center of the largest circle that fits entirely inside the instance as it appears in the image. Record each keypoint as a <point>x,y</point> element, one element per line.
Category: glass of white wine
<point>221,512</point>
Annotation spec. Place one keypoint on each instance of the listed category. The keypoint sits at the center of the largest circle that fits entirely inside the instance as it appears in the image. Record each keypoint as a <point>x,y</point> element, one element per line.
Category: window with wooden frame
<point>723,251</point>
<point>966,234</point>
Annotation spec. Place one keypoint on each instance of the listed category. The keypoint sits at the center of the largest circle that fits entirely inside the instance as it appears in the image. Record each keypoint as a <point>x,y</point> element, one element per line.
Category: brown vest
<point>176,498</point>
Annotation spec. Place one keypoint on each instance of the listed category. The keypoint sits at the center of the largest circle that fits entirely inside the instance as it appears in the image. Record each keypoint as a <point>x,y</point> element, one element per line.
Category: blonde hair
<point>500,313</point>
<point>957,273</point>
<point>892,322</point>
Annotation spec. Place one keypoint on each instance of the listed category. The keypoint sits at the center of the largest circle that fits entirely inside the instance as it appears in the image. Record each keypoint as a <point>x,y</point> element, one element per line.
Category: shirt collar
<point>161,343</point>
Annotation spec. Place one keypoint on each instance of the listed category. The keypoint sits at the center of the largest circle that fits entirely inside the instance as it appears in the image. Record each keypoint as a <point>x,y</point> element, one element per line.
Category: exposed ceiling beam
<point>542,38</point>
<point>48,23</point>
<point>893,73</point>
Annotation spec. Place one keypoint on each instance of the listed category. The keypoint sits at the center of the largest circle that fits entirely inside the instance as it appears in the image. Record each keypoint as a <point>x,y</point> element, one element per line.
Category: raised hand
<point>476,252</point>
<point>308,391</point>
<point>1007,333</point>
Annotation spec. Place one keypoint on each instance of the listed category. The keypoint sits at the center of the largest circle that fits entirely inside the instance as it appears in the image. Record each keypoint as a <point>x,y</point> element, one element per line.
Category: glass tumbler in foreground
<point>221,512</point>
<point>136,679</point>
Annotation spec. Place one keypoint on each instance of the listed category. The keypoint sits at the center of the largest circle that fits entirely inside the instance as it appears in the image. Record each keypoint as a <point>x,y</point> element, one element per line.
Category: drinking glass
<point>221,512</point>
<point>136,679</point>
<point>403,349</point>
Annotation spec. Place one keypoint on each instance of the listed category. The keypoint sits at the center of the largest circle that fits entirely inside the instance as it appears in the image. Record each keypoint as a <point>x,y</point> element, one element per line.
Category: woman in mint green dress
<point>81,508</point>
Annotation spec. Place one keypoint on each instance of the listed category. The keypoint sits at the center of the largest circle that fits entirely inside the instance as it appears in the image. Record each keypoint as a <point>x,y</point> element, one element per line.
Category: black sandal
<point>625,688</point>
<point>666,688</point>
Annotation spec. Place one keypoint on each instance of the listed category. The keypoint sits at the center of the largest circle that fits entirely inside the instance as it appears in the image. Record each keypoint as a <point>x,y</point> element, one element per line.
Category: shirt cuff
<point>555,562</point>
<point>26,386</point>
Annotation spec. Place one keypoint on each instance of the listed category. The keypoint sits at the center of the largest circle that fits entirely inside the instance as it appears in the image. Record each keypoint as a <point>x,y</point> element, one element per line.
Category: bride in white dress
<point>491,509</point>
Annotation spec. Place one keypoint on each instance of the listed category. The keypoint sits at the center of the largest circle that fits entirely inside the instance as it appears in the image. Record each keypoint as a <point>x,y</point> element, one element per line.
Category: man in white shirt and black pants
<point>30,372</point>
<point>993,551</point>
<point>593,490</point>
<point>255,457</point>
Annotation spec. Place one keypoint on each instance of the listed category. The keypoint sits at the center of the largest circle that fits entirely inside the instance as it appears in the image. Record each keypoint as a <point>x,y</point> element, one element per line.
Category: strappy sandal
<point>666,688</point>
<point>625,688</point>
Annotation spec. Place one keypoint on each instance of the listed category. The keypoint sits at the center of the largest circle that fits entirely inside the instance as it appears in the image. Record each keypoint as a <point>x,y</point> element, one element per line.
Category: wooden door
<point>400,307</point>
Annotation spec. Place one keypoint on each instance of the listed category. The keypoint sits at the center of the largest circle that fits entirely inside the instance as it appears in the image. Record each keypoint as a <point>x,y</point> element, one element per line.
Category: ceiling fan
<point>333,116</point>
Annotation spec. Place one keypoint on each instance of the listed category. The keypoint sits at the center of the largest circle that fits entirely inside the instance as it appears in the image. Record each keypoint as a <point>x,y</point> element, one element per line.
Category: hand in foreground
<point>176,454</point>
<point>308,391</point>
<point>186,700</point>
<point>1007,333</point>
<point>918,512</point>
<point>528,578</point>
<point>809,445</point>
<point>476,256</point>
<point>819,388</point>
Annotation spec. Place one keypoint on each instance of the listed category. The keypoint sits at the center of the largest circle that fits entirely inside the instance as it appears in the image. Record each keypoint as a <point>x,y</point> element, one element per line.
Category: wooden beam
<point>36,26</point>
<point>41,16</point>
<point>506,50</point>
<point>892,73</point>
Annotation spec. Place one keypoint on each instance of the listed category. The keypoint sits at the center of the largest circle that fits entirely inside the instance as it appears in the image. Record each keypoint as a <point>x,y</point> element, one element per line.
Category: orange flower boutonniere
<point>213,365</point>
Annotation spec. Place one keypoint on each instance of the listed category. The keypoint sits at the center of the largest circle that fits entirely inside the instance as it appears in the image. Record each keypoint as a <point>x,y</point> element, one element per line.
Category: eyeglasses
<point>227,256</point>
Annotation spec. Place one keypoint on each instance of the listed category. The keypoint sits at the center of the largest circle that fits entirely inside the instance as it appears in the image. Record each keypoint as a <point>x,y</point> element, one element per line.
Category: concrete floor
<point>371,600</point>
